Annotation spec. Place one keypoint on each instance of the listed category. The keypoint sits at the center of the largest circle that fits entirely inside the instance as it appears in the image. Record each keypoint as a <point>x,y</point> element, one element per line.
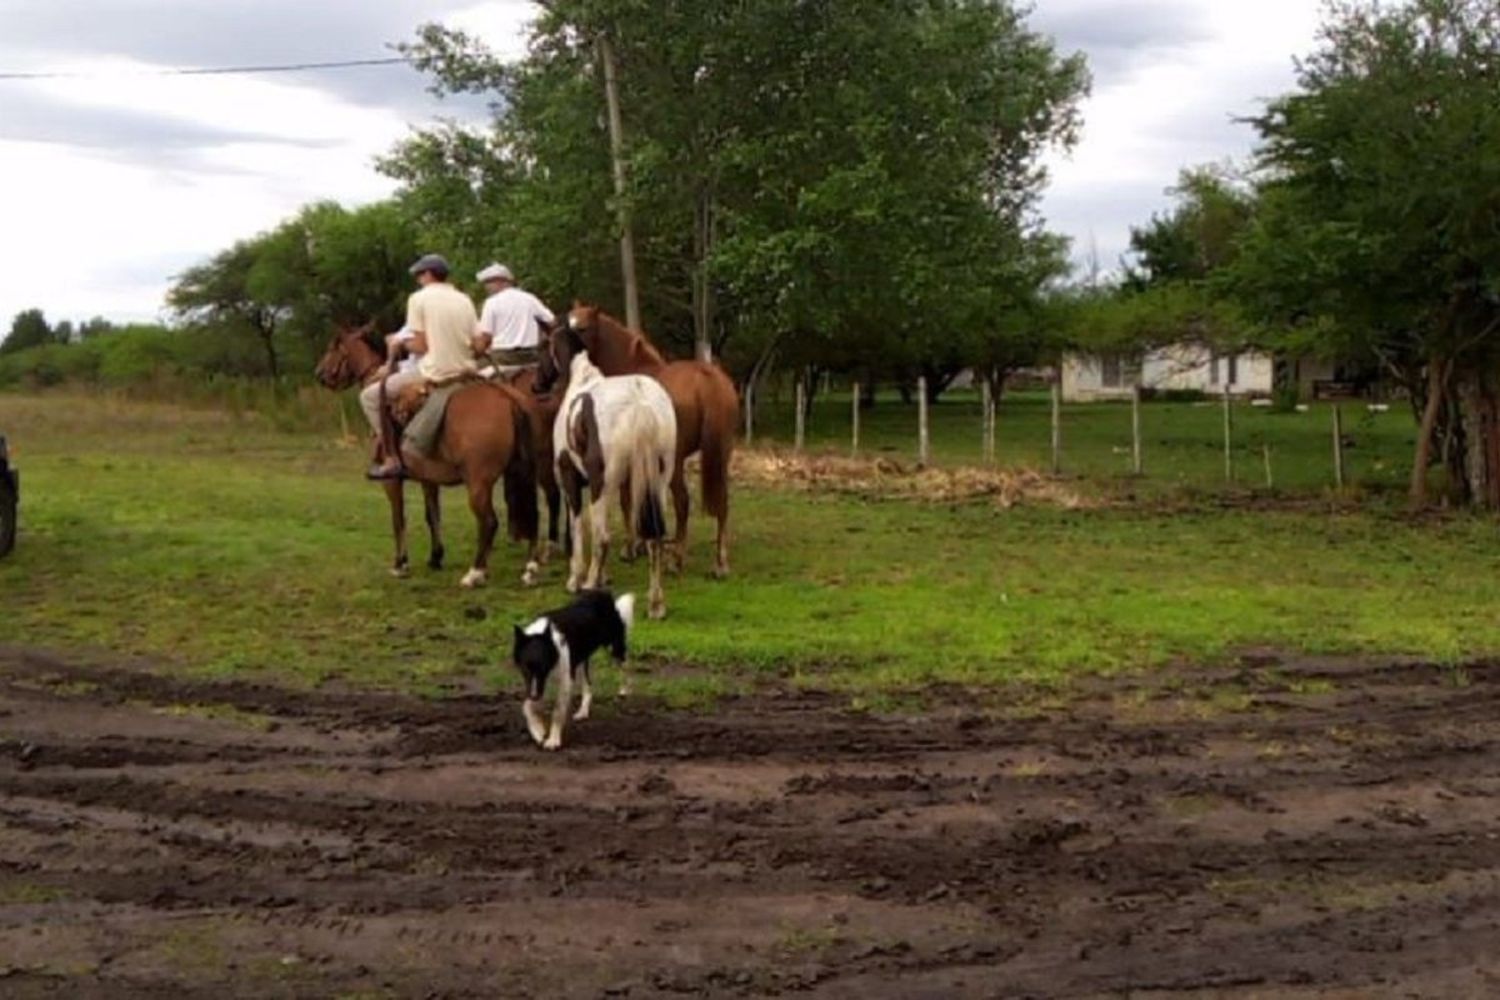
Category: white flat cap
<point>496,272</point>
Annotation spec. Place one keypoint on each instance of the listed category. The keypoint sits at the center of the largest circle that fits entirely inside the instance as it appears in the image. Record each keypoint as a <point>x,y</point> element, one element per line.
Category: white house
<point>1091,377</point>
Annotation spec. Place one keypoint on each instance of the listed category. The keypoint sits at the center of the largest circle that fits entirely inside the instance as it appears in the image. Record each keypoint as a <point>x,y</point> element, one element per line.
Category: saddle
<point>417,412</point>
<point>409,402</point>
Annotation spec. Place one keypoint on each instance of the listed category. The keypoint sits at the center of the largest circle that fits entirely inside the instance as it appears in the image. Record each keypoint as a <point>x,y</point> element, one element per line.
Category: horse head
<point>560,345</point>
<point>348,357</point>
<point>614,347</point>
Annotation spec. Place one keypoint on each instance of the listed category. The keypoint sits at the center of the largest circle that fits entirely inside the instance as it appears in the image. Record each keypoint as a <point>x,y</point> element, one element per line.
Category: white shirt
<point>410,360</point>
<point>510,318</point>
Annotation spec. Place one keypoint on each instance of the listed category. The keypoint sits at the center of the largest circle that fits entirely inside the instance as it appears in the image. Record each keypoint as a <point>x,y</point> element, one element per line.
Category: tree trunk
<point>1437,381</point>
<point>267,332</point>
<point>1475,461</point>
<point>617,157</point>
<point>703,308</point>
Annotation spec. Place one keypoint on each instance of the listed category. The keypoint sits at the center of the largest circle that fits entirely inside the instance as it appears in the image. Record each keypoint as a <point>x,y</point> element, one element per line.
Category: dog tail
<point>625,606</point>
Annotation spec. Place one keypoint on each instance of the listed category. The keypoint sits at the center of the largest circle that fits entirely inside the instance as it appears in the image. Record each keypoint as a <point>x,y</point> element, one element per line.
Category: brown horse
<point>708,413</point>
<point>488,434</point>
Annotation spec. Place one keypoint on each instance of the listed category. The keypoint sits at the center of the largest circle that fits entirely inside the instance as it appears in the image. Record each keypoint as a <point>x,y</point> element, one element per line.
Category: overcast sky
<point>113,181</point>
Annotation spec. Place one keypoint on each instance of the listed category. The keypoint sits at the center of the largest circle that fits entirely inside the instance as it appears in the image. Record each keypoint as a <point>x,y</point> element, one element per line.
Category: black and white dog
<point>562,641</point>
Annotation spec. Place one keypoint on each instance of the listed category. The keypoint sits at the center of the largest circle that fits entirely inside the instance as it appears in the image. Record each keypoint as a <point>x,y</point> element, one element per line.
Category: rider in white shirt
<point>510,319</point>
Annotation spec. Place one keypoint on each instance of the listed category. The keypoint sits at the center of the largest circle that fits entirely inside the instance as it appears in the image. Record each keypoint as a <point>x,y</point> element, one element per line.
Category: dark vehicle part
<point>10,495</point>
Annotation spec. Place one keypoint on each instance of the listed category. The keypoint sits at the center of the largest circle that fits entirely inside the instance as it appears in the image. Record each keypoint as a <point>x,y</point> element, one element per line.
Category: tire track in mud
<point>1274,828</point>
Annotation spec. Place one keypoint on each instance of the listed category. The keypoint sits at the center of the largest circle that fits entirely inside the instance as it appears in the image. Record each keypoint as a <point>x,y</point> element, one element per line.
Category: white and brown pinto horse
<point>707,408</point>
<point>609,432</point>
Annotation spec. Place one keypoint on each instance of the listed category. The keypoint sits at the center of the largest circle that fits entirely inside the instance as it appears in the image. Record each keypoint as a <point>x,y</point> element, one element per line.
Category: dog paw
<point>554,742</point>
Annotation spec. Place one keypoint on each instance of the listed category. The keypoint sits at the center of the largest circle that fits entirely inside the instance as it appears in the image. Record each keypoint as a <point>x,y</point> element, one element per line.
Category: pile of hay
<point>886,477</point>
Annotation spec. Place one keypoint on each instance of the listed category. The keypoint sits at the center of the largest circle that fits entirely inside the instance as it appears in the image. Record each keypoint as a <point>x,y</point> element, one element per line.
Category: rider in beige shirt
<point>442,322</point>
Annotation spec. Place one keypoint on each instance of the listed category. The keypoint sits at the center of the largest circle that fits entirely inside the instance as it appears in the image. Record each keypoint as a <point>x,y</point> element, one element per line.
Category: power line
<point>211,71</point>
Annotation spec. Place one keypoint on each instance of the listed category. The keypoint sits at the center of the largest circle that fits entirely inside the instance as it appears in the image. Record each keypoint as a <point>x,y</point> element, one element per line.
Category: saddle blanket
<point>422,430</point>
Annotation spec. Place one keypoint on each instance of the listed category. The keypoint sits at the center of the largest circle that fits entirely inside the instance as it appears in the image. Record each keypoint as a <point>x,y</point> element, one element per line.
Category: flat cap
<point>496,272</point>
<point>431,262</point>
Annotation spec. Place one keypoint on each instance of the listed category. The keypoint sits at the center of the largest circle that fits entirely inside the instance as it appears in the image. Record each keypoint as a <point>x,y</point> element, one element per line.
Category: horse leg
<point>397,497</point>
<point>434,505</point>
<point>599,510</point>
<point>631,550</point>
<point>658,606</point>
<point>571,482</point>
<point>482,503</point>
<point>554,503</point>
<point>682,505</point>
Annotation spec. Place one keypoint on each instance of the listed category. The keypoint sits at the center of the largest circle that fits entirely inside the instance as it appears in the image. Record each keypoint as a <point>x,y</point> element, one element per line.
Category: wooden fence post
<point>1270,479</point>
<point>1137,459</point>
<point>1228,437</point>
<point>987,421</point>
<point>854,421</point>
<point>924,449</point>
<point>1057,421</point>
<point>801,411</point>
<point>1338,446</point>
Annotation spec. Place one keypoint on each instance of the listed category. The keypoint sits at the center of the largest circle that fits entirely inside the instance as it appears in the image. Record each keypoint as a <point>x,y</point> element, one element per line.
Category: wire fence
<point>1215,442</point>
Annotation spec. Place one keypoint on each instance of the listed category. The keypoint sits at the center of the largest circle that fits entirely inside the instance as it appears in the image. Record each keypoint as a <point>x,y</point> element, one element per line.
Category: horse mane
<point>639,352</point>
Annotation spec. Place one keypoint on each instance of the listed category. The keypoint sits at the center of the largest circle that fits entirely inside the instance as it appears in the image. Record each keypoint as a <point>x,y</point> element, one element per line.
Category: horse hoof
<point>721,573</point>
<point>658,612</point>
<point>474,578</point>
<point>572,586</point>
<point>400,572</point>
<point>528,578</point>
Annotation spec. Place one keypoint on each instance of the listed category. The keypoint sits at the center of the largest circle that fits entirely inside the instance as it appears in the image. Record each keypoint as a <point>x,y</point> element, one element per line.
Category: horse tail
<point>721,414</point>
<point>522,514</point>
<point>648,478</point>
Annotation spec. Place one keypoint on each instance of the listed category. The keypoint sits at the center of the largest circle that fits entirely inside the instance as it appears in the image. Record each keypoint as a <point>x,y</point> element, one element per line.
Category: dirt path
<point>1281,830</point>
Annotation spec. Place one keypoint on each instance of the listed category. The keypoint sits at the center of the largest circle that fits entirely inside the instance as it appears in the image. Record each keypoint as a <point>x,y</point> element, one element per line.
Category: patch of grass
<point>31,894</point>
<point>221,713</point>
<point>226,547</point>
<point>1186,807</point>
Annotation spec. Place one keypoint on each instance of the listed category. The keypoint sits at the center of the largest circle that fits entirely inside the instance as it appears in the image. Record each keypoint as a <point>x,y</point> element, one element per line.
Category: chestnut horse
<point>488,433</point>
<point>707,407</point>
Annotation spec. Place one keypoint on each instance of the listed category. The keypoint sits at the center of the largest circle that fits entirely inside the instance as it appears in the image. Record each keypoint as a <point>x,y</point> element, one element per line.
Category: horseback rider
<point>441,322</point>
<point>510,320</point>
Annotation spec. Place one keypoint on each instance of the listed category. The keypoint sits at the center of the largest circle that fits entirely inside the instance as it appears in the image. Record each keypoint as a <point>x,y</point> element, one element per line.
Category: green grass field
<point>1183,443</point>
<point>219,544</point>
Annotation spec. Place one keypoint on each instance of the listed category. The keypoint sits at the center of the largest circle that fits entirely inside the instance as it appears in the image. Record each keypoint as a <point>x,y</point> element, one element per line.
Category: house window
<point>1112,370</point>
<point>1213,369</point>
<point>1234,369</point>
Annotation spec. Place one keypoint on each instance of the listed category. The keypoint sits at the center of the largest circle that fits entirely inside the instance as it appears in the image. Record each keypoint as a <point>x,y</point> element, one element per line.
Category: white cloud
<point>112,184</point>
<point>1174,110</point>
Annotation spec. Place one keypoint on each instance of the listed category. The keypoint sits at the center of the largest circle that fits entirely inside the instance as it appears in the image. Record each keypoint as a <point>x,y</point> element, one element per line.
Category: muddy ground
<point>1278,829</point>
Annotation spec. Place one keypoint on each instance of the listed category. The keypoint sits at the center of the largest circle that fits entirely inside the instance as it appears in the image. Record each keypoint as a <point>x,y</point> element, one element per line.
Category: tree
<point>1200,235</point>
<point>28,329</point>
<point>1378,231</point>
<point>835,183</point>
<point>220,297</point>
<point>288,287</point>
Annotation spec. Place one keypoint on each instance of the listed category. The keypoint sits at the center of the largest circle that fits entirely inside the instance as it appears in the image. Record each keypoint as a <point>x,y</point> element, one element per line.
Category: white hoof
<point>474,578</point>
<point>400,572</point>
<point>529,578</point>
<point>572,587</point>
